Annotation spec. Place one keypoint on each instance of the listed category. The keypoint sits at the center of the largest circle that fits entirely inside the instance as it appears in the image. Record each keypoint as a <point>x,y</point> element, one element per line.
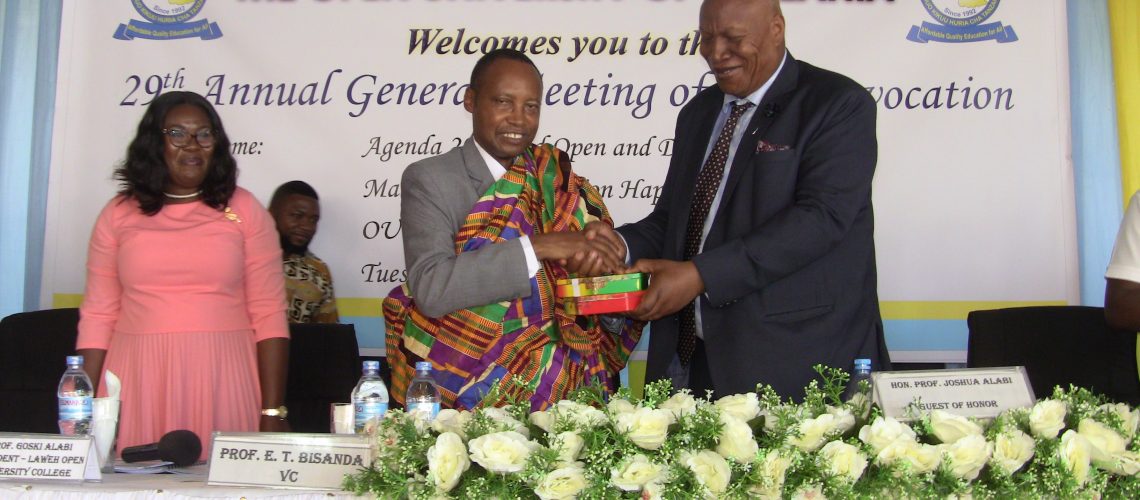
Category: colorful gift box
<point>603,304</point>
<point>600,285</point>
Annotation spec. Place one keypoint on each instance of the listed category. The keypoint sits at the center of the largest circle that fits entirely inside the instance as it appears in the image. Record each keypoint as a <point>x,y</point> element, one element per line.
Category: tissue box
<point>603,304</point>
<point>600,285</point>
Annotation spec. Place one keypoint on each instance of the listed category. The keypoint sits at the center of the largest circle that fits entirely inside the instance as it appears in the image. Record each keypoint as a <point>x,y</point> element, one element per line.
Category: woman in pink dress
<point>185,298</point>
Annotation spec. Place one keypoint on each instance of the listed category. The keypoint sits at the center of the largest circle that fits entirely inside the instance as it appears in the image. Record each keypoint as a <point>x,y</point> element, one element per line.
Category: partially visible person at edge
<point>308,282</point>
<point>761,247</point>
<point>1122,290</point>
<point>184,299</point>
<point>487,228</point>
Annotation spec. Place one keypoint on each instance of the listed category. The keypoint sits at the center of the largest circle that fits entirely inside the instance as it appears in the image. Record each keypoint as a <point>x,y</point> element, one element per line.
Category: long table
<point>190,482</point>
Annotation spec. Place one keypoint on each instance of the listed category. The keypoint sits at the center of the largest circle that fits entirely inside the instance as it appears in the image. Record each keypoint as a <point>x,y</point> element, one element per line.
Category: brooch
<point>231,215</point>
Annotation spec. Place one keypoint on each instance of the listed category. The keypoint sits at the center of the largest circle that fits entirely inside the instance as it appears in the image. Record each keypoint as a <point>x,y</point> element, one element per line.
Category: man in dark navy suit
<point>761,247</point>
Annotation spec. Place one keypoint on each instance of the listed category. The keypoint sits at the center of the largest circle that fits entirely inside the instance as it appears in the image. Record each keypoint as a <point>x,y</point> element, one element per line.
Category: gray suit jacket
<point>437,193</point>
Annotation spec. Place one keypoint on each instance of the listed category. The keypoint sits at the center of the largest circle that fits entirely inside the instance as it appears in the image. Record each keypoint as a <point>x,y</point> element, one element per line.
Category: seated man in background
<point>308,283</point>
<point>488,228</point>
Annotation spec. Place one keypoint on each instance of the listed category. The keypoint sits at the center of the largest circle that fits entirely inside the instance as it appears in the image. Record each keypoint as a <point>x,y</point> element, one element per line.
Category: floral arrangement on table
<point>672,445</point>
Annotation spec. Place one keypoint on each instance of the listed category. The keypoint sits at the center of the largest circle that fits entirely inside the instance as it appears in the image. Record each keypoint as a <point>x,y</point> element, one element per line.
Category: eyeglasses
<point>180,138</point>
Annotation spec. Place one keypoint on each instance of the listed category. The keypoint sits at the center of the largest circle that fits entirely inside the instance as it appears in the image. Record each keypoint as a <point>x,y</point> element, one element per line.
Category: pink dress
<point>179,301</point>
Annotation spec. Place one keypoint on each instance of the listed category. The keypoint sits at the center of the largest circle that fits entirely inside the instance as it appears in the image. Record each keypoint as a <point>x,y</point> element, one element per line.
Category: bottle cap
<point>423,366</point>
<point>74,360</point>
<point>372,365</point>
<point>863,362</point>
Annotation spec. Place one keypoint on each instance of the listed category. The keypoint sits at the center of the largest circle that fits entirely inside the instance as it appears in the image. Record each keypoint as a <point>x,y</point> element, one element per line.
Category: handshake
<point>594,251</point>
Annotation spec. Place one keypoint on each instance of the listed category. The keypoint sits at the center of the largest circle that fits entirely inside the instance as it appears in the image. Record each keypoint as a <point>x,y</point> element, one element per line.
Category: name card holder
<point>48,457</point>
<point>970,392</point>
<point>286,460</point>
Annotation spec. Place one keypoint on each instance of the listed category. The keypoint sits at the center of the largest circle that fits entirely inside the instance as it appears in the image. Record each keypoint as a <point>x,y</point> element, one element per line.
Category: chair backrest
<point>1058,345</point>
<point>324,365</point>
<point>33,346</point>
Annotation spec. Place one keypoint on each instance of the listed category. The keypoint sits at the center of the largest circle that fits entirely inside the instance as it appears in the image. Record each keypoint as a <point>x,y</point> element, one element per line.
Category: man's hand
<point>600,233</point>
<point>672,285</point>
<point>586,257</point>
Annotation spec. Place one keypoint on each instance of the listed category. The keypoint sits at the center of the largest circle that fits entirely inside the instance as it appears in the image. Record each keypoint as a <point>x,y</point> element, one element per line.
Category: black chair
<point>33,348</point>
<point>1058,345</point>
<point>324,365</point>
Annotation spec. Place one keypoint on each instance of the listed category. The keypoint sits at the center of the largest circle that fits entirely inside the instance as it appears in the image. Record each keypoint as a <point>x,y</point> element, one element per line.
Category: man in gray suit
<point>504,99</point>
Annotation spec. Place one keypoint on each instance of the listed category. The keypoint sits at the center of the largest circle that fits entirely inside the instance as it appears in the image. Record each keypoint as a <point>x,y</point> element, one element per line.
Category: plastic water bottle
<point>75,393</point>
<point>370,397</point>
<point>862,372</point>
<point>423,394</point>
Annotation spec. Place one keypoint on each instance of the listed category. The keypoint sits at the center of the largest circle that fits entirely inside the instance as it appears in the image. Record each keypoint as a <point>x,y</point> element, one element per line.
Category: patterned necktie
<point>707,183</point>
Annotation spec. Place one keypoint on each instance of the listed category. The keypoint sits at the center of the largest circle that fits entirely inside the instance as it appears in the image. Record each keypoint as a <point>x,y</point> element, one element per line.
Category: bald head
<point>742,41</point>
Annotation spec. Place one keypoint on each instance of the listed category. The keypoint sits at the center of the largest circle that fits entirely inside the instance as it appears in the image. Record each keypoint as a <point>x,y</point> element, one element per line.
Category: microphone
<point>181,447</point>
<point>771,110</point>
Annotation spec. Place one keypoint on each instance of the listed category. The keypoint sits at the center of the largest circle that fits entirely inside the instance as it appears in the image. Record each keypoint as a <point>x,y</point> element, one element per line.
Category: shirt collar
<point>497,169</point>
<point>758,95</point>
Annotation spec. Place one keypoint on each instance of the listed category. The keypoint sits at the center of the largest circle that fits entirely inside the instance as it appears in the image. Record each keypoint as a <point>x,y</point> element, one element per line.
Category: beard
<point>290,249</point>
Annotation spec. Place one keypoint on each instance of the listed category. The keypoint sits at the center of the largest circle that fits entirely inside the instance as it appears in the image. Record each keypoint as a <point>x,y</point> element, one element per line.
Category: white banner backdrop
<point>973,193</point>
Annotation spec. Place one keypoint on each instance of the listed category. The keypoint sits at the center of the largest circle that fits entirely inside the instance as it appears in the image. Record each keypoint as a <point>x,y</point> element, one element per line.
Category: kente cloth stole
<point>529,348</point>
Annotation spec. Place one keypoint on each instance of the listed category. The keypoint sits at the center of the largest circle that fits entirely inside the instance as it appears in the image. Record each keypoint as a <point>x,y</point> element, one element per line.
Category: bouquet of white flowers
<point>674,445</point>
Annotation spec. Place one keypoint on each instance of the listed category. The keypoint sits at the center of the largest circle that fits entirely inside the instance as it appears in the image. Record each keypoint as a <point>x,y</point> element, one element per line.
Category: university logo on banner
<point>168,20</point>
<point>961,21</point>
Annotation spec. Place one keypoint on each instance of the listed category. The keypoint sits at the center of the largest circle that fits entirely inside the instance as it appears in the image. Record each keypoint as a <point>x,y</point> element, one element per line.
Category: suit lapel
<point>477,169</point>
<point>774,101</point>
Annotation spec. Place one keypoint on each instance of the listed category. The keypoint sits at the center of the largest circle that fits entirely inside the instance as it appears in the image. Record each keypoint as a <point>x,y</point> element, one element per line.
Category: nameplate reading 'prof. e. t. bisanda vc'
<point>971,392</point>
<point>48,457</point>
<point>286,460</point>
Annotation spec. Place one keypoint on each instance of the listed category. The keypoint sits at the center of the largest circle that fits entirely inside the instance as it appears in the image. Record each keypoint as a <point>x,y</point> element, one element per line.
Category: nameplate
<point>971,392</point>
<point>48,457</point>
<point>286,460</point>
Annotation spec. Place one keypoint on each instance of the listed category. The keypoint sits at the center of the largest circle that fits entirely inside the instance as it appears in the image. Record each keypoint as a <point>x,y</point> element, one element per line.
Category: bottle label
<point>429,410</point>
<point>75,408</point>
<point>367,411</point>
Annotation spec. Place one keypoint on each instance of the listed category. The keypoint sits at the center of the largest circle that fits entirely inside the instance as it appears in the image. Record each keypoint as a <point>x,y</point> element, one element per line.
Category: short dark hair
<point>144,174</point>
<point>484,62</point>
<point>292,187</point>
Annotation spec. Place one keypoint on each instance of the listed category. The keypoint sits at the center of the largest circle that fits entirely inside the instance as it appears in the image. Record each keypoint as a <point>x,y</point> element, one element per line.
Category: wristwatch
<point>280,412</point>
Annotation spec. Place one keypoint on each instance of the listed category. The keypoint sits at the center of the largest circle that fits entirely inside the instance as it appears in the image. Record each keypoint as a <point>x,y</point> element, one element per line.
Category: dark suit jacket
<point>789,260</point>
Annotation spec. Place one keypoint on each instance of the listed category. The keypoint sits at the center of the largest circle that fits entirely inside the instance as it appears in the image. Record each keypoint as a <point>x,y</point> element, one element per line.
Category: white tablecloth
<point>191,484</point>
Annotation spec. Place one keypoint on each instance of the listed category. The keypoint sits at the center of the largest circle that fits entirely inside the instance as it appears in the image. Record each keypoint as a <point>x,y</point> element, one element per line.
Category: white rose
<point>743,406</point>
<point>736,441</point>
<point>502,451</point>
<point>1047,418</point>
<point>569,446</point>
<point>618,406</point>
<point>923,458</point>
<point>1076,454</point>
<point>812,432</point>
<point>566,482</point>
<point>772,469</point>
<point>1129,418</point>
<point>582,416</point>
<point>447,461</point>
<point>1104,442</point>
<point>843,460</point>
<point>543,420</point>
<point>1127,463</point>
<point>506,421</point>
<point>1012,449</point>
<point>884,431</point>
<point>948,427</point>
<point>646,427</point>
<point>710,469</point>
<point>449,420</point>
<point>636,473</point>
<point>809,492</point>
<point>968,455</point>
<point>681,404</point>
<point>844,419</point>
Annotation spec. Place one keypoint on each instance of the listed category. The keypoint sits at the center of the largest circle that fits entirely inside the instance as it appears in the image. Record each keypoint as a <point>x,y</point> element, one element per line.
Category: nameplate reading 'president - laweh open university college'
<point>971,392</point>
<point>48,457</point>
<point>286,460</point>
